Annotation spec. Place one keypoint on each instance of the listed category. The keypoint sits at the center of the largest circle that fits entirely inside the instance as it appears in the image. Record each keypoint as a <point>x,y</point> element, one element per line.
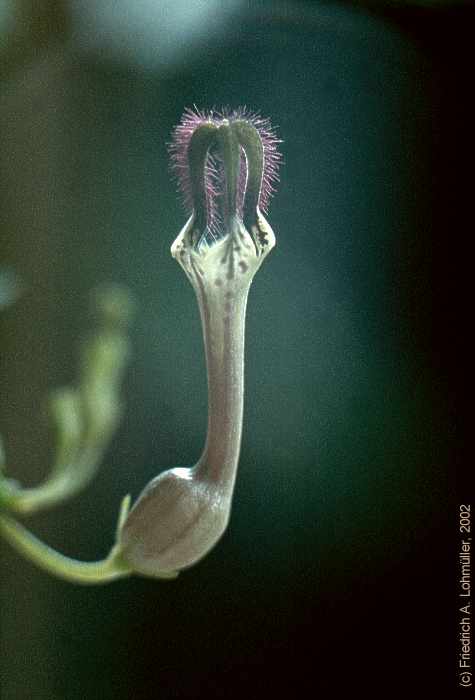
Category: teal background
<point>337,570</point>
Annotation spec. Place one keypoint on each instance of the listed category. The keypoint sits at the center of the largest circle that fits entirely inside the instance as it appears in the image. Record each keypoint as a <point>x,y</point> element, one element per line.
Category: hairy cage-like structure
<point>226,163</point>
<point>204,144</point>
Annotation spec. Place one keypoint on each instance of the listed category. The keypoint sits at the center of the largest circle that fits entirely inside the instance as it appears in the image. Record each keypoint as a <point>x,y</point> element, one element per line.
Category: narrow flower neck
<point>223,322</point>
<point>221,275</point>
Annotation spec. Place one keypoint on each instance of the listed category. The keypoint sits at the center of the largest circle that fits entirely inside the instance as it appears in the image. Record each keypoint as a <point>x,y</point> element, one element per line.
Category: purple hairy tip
<point>272,156</point>
<point>213,178</point>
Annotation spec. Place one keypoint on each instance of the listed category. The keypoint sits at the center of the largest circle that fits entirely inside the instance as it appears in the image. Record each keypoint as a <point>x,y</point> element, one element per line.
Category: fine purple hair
<point>213,170</point>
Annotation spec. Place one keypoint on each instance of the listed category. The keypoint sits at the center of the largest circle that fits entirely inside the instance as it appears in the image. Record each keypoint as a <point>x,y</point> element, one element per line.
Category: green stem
<point>22,540</point>
<point>65,480</point>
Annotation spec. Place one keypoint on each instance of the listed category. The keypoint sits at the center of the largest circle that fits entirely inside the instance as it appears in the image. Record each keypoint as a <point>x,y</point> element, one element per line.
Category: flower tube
<point>226,164</point>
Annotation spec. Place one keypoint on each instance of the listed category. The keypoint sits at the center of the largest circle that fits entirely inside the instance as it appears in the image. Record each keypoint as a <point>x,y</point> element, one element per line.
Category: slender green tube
<point>88,573</point>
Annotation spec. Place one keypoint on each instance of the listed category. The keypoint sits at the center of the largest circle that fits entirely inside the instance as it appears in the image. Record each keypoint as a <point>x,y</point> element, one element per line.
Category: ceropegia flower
<point>227,164</point>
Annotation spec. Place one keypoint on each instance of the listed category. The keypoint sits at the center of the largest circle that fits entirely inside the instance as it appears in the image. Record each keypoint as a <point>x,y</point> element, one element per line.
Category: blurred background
<point>338,571</point>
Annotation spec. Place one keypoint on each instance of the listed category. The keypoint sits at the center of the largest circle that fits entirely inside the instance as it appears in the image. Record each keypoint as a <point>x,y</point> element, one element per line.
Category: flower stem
<point>53,562</point>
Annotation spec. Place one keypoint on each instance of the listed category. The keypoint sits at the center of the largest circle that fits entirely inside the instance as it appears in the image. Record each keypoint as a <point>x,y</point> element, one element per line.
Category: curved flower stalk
<point>226,164</point>
<point>85,418</point>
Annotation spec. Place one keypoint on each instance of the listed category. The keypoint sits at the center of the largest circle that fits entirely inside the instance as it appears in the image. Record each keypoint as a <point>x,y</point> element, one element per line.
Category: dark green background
<point>338,570</point>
